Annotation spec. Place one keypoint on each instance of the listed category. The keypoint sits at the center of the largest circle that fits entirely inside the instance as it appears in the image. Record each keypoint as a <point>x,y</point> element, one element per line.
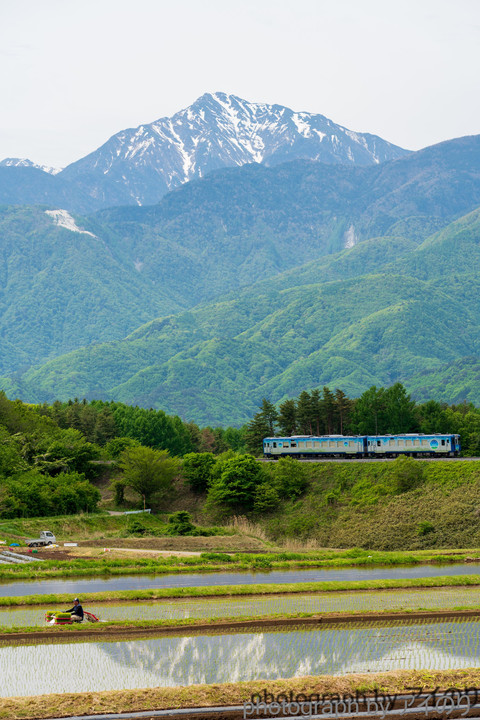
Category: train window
<point>285,444</point>
<point>391,443</point>
<point>294,444</point>
<point>379,443</point>
<point>309,443</point>
<point>274,444</point>
<point>316,444</point>
<point>443,442</point>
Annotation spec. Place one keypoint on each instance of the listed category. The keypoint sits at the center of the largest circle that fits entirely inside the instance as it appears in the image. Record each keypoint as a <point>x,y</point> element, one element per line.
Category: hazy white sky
<point>74,72</point>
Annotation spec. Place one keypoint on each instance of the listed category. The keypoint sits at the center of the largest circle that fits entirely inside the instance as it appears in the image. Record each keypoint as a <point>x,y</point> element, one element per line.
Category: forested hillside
<point>53,459</point>
<point>326,323</point>
<point>68,282</point>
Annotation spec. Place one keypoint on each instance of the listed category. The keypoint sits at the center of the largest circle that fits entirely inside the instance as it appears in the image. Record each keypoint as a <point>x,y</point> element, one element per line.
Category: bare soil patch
<point>214,543</point>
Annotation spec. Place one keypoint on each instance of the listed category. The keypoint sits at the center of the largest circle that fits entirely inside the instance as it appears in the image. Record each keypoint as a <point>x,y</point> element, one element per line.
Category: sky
<point>74,72</point>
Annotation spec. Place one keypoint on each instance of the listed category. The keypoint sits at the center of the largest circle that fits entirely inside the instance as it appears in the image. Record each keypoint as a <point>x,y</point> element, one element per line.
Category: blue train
<point>362,446</point>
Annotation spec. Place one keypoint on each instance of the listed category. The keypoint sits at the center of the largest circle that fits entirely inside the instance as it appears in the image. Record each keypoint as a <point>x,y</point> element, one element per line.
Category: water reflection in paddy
<point>80,586</point>
<point>428,599</point>
<point>173,661</point>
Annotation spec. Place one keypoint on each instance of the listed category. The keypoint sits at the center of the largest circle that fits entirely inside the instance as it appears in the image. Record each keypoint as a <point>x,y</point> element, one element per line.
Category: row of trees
<point>100,422</point>
<point>376,411</point>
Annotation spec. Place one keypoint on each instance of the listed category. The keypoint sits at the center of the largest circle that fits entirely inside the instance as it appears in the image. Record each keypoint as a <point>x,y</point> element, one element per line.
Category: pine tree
<point>287,418</point>
<point>316,411</point>
<point>343,409</point>
<point>304,413</point>
<point>328,406</point>
<point>262,426</point>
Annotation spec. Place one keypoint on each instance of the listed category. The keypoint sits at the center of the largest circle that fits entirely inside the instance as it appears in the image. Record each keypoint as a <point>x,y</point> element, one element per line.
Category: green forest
<point>52,456</point>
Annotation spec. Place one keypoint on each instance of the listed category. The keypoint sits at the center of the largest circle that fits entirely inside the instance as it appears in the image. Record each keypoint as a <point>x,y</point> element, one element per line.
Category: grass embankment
<point>397,681</point>
<point>384,506</point>
<point>96,526</point>
<point>223,562</point>
<point>228,591</point>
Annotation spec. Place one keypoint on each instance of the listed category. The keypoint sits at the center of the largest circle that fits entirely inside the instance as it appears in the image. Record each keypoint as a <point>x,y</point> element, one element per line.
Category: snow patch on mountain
<point>25,162</point>
<point>62,218</point>
<point>350,238</point>
<point>217,131</point>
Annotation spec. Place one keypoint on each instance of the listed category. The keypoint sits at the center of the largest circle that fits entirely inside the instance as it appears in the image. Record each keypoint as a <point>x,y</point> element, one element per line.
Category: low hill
<point>366,509</point>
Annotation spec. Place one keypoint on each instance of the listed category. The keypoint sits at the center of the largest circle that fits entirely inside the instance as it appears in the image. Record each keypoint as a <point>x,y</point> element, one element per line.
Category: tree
<point>287,418</point>
<point>197,469</point>
<point>328,406</point>
<point>270,415</point>
<point>399,410</point>
<point>304,413</point>
<point>343,409</point>
<point>316,410</point>
<point>69,452</point>
<point>235,489</point>
<point>148,472</point>
<point>262,426</point>
<point>369,417</point>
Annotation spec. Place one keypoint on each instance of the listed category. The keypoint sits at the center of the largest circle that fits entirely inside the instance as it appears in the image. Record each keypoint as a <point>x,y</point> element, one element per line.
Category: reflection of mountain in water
<point>231,658</point>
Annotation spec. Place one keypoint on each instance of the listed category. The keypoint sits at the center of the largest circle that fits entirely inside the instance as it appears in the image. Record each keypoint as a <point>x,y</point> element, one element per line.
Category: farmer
<point>76,611</point>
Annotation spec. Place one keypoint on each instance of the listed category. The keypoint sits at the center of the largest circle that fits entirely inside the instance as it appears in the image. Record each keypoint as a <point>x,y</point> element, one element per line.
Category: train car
<point>414,444</point>
<point>362,446</point>
<point>304,446</point>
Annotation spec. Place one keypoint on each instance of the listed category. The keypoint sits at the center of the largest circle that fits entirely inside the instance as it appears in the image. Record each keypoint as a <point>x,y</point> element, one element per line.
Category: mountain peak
<point>218,130</point>
<point>25,162</point>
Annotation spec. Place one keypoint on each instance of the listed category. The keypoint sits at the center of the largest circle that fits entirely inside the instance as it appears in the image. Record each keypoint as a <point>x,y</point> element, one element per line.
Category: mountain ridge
<point>140,165</point>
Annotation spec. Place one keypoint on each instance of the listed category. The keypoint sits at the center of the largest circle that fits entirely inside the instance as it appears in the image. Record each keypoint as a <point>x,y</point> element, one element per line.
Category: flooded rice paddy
<point>81,586</point>
<point>424,599</point>
<point>173,661</point>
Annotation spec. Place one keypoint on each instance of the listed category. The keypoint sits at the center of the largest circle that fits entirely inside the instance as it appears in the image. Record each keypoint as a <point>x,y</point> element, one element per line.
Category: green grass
<point>359,505</point>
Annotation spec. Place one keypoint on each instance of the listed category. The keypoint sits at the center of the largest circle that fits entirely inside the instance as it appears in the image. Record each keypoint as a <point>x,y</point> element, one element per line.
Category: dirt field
<point>215,543</point>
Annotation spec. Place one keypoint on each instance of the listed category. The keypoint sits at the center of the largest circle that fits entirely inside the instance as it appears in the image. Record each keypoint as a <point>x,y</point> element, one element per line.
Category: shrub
<point>425,528</point>
<point>266,499</point>
<point>180,523</point>
<point>407,473</point>
<point>290,477</point>
<point>136,526</point>
<point>31,494</point>
<point>221,557</point>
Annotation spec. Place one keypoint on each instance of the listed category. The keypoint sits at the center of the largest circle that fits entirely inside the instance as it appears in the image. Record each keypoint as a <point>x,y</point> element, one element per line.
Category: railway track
<point>371,460</point>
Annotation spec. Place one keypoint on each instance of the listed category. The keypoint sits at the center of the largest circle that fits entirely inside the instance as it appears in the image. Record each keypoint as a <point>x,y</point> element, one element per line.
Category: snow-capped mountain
<point>218,131</point>
<point>25,162</point>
